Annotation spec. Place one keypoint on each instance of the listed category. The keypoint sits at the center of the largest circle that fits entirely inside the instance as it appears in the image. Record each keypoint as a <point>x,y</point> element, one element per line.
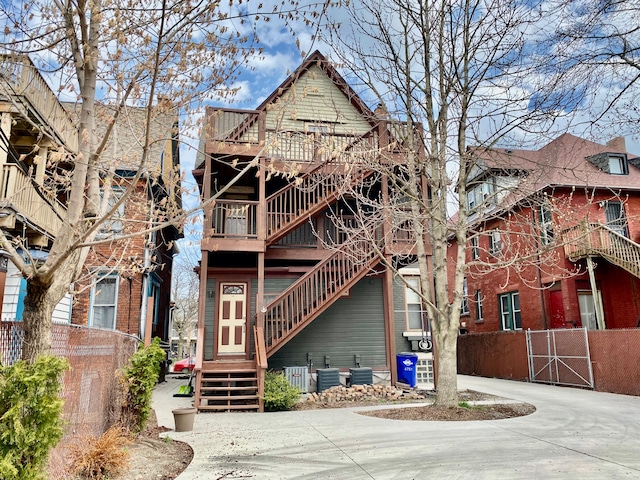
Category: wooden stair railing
<point>292,205</point>
<point>261,362</point>
<point>587,239</point>
<point>315,291</point>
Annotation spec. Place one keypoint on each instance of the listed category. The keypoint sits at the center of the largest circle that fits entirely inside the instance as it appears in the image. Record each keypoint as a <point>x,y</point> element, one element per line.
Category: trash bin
<point>407,372</point>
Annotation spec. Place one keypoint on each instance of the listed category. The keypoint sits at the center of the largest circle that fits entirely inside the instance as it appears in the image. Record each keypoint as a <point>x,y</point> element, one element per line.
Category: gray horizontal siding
<point>402,344</point>
<point>351,326</point>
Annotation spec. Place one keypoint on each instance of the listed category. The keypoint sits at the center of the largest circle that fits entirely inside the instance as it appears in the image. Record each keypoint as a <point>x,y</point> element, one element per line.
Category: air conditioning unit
<point>298,377</point>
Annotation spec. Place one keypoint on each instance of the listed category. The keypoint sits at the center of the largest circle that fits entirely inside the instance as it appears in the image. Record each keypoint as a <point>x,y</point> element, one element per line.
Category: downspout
<point>145,280</point>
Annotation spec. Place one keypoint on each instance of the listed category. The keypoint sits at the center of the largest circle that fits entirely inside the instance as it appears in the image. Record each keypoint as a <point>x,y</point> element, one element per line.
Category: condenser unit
<point>298,377</point>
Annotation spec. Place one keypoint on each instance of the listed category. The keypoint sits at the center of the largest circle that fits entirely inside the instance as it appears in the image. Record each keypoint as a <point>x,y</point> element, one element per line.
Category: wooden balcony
<point>594,239</point>
<point>24,83</point>
<point>24,198</point>
<point>232,225</point>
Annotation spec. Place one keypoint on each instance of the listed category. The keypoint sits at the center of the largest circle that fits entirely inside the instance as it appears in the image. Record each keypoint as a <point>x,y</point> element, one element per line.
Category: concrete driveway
<point>574,434</point>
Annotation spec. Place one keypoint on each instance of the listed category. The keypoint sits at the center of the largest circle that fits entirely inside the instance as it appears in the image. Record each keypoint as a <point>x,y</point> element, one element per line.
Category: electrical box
<point>298,377</point>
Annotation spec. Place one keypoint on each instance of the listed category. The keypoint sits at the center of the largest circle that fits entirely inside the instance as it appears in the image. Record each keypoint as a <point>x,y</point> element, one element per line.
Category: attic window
<point>618,165</point>
<point>316,127</point>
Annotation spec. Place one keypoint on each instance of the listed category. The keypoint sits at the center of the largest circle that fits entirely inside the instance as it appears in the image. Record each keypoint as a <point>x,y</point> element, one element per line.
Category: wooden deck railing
<point>23,80</point>
<point>587,239</point>
<point>30,201</point>
<point>261,361</point>
<point>295,203</point>
<point>234,219</point>
<point>316,290</point>
<point>309,147</point>
<point>235,126</point>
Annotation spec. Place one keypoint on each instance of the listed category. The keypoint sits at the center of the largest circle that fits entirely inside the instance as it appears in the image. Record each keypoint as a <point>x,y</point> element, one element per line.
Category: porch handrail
<point>261,362</point>
<point>25,81</point>
<point>28,199</point>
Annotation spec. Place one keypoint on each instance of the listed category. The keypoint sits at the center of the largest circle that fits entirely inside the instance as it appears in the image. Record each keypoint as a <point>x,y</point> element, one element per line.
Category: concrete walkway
<point>574,434</point>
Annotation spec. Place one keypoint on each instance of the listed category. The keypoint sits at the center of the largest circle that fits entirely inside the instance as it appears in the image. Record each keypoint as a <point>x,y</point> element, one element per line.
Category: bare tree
<point>452,75</point>
<point>161,58</point>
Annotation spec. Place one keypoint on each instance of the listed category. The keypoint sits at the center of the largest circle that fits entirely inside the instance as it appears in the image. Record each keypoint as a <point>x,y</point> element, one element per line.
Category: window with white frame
<point>546,223</point>
<point>495,243</point>
<point>510,315</point>
<point>464,307</point>
<point>104,302</point>
<point>413,304</point>
<point>618,165</point>
<point>475,248</point>
<point>113,224</point>
<point>478,299</point>
<point>481,194</point>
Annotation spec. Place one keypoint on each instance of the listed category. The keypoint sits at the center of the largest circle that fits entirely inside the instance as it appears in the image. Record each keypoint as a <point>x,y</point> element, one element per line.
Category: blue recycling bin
<point>407,372</point>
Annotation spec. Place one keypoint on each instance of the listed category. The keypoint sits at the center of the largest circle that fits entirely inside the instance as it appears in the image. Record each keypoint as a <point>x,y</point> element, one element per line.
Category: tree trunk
<point>37,318</point>
<point>445,345</point>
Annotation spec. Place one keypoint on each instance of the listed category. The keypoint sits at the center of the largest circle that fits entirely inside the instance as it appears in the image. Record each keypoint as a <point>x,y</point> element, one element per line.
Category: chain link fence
<point>91,390</point>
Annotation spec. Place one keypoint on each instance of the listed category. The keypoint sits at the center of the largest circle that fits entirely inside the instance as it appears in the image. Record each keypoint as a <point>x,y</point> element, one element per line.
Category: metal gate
<point>560,357</point>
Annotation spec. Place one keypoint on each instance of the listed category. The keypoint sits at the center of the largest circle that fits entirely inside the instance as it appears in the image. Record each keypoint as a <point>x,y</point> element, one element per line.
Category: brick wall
<point>615,358</point>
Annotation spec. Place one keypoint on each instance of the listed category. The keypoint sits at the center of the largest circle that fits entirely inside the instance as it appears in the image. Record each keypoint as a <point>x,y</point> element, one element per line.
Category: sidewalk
<point>573,434</point>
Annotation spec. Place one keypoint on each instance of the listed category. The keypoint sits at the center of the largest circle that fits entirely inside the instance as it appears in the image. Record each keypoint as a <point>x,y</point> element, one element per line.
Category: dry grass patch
<point>103,457</point>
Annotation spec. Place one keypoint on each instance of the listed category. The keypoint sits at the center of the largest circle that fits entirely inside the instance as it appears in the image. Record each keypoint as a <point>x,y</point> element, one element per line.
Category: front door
<point>556,309</point>
<point>232,318</point>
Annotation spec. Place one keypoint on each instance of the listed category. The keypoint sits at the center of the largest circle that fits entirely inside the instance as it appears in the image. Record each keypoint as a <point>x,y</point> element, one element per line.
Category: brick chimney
<point>617,144</point>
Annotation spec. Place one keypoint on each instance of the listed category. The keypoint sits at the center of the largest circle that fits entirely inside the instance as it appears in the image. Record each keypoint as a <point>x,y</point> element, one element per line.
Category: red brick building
<point>127,276</point>
<point>553,238</point>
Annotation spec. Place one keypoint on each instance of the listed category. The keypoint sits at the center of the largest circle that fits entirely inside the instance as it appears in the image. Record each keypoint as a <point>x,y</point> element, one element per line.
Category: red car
<point>185,365</point>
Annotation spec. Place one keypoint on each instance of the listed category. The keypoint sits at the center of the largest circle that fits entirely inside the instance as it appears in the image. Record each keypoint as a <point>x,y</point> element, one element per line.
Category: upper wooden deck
<point>24,85</point>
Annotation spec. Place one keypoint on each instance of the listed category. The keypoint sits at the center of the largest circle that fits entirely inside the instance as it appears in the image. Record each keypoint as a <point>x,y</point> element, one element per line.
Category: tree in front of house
<point>454,75</point>
<point>163,59</point>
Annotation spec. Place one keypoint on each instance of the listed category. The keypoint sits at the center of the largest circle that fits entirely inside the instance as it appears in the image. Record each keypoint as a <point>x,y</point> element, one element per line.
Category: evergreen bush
<point>140,377</point>
<point>30,416</point>
<point>279,394</point>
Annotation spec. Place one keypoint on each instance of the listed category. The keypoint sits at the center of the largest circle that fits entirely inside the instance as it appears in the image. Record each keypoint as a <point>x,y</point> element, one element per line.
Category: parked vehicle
<point>185,365</point>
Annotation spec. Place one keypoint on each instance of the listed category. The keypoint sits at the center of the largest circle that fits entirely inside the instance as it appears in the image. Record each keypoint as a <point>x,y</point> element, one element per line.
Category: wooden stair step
<point>227,389</point>
<point>229,397</point>
<point>227,379</point>
<point>222,408</point>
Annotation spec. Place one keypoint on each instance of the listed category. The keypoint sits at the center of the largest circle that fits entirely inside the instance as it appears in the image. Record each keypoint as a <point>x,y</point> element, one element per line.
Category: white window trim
<point>115,305</point>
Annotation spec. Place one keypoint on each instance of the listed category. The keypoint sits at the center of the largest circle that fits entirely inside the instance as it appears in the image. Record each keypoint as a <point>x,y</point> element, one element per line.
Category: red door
<point>556,309</point>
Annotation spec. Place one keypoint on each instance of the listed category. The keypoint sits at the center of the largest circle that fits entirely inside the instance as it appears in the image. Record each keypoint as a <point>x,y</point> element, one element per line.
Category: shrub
<point>30,416</point>
<point>279,394</point>
<point>140,376</point>
<point>103,457</point>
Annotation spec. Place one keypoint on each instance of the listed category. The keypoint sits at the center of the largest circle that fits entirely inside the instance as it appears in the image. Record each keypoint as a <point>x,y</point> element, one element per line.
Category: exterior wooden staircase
<point>596,239</point>
<point>239,385</point>
<point>226,386</point>
<point>316,291</point>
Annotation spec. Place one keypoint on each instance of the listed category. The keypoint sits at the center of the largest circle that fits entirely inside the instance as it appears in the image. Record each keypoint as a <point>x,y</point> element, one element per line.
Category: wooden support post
<point>389,323</point>
<point>597,301</point>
